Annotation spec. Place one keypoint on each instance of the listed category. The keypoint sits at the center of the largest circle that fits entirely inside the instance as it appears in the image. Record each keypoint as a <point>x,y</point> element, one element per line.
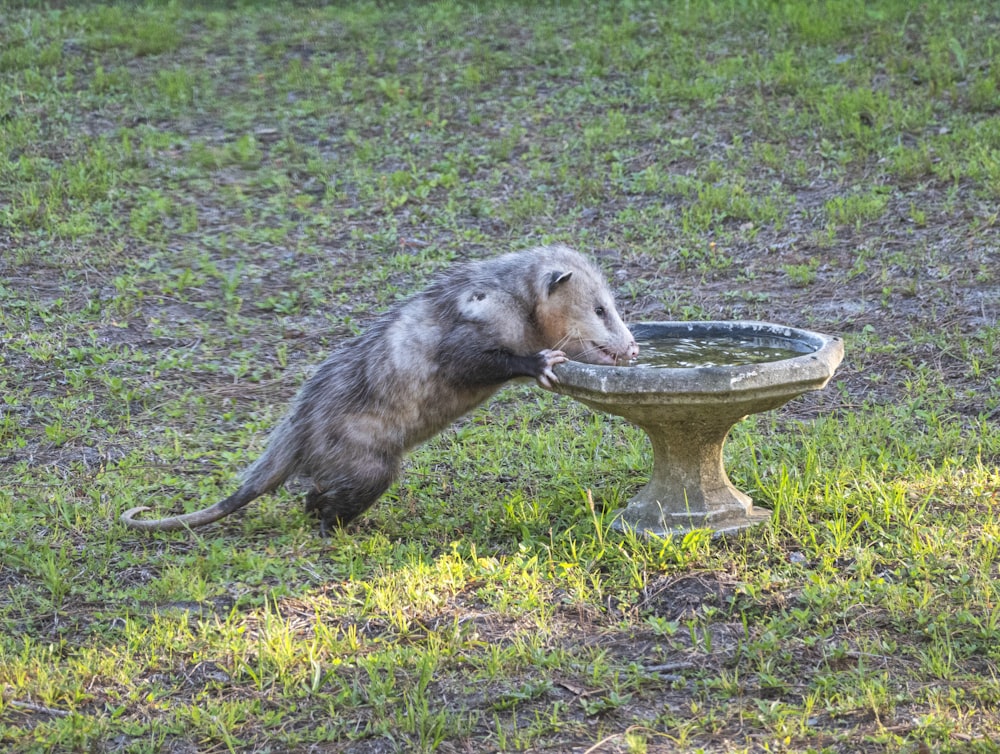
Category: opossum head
<point>576,314</point>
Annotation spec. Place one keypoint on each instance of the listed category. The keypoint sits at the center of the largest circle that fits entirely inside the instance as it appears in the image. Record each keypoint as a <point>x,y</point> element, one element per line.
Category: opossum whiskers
<point>599,349</point>
<point>572,337</point>
<point>561,343</point>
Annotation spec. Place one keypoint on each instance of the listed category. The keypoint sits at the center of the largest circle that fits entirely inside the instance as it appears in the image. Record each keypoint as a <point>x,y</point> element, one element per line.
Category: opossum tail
<point>274,466</point>
<point>223,508</point>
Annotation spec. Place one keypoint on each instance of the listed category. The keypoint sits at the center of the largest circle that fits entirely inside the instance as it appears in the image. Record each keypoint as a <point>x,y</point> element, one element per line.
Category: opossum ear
<point>556,279</point>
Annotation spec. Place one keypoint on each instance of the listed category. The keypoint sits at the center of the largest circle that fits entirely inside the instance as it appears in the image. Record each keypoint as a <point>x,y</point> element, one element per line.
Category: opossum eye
<point>600,311</point>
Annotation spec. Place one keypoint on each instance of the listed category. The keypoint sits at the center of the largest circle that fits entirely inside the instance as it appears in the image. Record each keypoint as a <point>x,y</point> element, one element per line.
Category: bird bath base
<point>688,488</point>
<point>688,412</point>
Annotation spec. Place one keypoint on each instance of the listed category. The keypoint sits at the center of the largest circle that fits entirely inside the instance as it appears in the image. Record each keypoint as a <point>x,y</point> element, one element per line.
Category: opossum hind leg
<point>338,501</point>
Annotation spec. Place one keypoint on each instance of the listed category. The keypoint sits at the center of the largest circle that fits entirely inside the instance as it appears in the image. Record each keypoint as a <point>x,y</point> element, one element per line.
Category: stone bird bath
<point>688,411</point>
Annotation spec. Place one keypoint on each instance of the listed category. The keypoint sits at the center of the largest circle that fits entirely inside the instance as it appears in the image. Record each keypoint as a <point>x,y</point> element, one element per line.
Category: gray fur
<point>419,368</point>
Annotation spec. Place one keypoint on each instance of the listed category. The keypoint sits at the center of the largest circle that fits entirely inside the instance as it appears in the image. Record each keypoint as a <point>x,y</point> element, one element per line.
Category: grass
<point>197,203</point>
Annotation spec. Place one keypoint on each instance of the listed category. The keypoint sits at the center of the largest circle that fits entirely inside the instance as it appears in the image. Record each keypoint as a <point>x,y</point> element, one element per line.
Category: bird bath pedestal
<point>688,412</point>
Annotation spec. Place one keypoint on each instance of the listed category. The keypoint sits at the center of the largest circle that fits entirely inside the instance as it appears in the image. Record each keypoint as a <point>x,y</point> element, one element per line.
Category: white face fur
<point>579,317</point>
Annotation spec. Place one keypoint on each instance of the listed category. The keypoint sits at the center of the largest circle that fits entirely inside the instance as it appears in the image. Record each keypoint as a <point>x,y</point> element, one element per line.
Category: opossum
<point>421,366</point>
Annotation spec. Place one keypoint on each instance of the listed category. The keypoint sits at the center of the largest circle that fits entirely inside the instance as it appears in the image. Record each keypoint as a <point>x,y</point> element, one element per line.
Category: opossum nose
<point>633,350</point>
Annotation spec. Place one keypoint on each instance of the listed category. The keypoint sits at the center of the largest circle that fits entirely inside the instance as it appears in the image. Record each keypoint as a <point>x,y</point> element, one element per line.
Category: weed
<point>856,209</point>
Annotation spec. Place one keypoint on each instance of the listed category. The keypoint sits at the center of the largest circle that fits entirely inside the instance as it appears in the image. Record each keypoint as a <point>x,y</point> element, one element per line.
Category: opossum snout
<point>621,348</point>
<point>632,351</point>
<point>625,355</point>
<point>606,354</point>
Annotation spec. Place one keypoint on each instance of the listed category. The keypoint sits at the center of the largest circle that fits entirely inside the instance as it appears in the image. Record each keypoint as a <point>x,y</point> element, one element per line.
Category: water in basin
<point>708,351</point>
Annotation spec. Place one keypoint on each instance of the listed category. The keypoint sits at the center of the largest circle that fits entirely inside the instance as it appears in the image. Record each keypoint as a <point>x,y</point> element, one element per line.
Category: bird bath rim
<point>810,370</point>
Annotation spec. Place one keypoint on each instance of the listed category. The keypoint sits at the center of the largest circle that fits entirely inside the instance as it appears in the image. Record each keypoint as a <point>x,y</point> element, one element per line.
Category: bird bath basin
<point>688,402</point>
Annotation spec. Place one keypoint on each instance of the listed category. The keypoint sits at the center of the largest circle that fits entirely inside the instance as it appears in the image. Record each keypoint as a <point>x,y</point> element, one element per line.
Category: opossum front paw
<point>546,377</point>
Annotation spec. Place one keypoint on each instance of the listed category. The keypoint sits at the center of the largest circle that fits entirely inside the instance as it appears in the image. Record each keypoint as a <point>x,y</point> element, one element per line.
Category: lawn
<point>198,201</point>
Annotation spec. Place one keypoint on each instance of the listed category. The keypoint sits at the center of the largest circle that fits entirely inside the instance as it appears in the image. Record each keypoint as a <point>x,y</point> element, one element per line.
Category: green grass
<point>196,204</point>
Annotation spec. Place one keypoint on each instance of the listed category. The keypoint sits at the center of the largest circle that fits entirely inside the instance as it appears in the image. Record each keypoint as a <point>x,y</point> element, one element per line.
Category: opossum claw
<point>551,358</point>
